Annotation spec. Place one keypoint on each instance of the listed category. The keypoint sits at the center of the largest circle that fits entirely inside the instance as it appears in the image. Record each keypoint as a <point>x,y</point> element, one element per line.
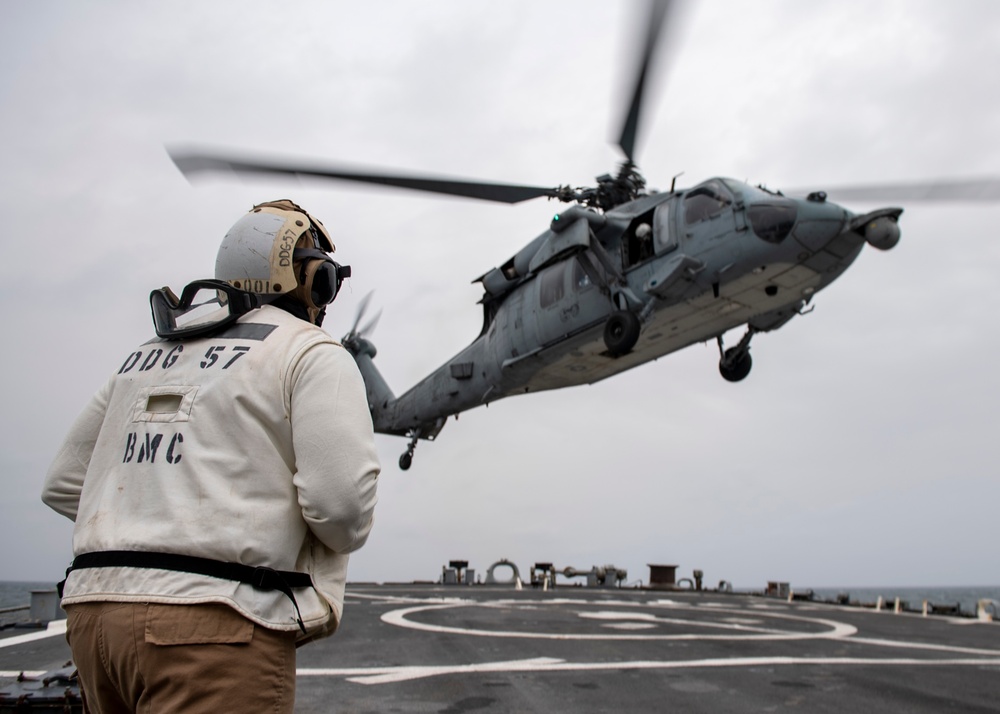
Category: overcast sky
<point>860,451</point>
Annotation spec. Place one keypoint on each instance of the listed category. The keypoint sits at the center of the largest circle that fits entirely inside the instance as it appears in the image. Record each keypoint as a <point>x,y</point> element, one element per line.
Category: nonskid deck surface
<point>424,648</point>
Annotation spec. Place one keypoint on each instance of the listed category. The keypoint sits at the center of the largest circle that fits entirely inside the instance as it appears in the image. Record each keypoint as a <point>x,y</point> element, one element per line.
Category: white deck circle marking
<point>630,614</point>
<point>734,631</point>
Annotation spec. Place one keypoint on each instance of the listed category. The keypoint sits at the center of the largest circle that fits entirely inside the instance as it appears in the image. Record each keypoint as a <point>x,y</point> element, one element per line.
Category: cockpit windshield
<point>705,201</point>
<point>772,216</point>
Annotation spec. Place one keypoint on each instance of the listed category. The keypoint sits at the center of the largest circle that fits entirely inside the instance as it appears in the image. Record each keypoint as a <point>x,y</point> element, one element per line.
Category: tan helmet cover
<point>256,253</point>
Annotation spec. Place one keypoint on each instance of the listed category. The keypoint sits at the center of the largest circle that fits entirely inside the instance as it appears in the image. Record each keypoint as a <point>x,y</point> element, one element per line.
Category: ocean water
<point>966,598</point>
<point>13,594</point>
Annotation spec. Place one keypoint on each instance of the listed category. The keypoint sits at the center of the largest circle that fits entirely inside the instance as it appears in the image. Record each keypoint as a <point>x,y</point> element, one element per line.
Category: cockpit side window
<point>773,221</point>
<point>705,201</point>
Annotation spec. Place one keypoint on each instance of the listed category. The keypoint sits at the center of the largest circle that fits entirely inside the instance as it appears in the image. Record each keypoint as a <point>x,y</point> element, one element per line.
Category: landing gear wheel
<point>621,332</point>
<point>407,458</point>
<point>733,367</point>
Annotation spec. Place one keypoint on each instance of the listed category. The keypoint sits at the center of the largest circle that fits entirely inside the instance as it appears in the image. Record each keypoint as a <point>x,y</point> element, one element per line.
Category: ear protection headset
<point>319,277</point>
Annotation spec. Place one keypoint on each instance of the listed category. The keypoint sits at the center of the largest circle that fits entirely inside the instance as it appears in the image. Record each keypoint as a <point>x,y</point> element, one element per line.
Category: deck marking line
<point>385,675</point>
<point>54,628</point>
<point>405,599</point>
<point>924,646</point>
<point>838,630</point>
<point>392,675</point>
<point>650,618</point>
<point>17,673</point>
<point>403,674</point>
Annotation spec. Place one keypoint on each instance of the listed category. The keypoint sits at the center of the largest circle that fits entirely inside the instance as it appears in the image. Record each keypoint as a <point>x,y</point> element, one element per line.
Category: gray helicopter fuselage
<point>690,264</point>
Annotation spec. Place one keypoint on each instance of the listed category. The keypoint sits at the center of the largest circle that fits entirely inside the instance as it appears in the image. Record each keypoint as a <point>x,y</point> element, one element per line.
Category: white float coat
<point>255,446</point>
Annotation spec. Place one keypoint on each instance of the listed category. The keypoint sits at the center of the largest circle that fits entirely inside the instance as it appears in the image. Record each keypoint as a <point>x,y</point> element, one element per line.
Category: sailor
<point>218,482</point>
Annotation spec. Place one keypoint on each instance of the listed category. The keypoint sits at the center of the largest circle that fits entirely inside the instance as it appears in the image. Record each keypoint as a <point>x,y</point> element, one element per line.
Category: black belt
<point>260,577</point>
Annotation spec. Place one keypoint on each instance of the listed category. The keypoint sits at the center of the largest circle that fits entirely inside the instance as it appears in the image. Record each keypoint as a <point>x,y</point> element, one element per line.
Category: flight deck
<point>437,648</point>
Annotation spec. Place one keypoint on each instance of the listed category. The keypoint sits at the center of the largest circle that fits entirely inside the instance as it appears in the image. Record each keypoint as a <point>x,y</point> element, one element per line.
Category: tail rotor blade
<point>369,327</point>
<point>360,313</point>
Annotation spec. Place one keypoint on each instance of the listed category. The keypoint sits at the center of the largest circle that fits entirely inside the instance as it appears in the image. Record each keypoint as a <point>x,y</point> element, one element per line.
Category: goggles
<point>320,278</point>
<point>204,307</point>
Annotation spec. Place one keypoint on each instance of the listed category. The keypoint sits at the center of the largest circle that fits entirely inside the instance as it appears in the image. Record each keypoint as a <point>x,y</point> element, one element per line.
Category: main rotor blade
<point>192,162</point>
<point>657,19</point>
<point>982,190</point>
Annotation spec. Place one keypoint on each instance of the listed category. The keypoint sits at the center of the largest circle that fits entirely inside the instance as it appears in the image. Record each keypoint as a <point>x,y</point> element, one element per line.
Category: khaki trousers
<point>135,657</point>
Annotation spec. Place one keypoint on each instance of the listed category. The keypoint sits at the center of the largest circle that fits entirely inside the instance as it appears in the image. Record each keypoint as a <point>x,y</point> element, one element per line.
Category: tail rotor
<point>355,340</point>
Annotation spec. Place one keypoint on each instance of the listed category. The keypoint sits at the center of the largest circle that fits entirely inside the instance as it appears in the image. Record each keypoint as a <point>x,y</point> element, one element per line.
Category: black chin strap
<point>294,307</point>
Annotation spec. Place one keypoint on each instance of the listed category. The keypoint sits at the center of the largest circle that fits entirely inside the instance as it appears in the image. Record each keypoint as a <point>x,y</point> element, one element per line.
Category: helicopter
<point>623,276</point>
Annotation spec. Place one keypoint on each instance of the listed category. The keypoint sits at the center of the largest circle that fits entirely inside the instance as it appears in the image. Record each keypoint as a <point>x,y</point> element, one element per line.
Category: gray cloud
<point>858,452</point>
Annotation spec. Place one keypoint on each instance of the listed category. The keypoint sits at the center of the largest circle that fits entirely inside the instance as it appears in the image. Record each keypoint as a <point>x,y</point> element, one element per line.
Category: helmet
<point>279,249</point>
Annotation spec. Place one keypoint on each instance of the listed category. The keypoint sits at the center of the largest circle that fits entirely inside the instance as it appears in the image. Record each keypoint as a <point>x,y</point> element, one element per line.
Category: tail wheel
<point>621,332</point>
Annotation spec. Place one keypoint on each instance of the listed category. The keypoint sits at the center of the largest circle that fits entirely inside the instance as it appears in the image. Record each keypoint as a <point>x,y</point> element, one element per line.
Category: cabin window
<point>581,280</point>
<point>551,287</point>
<point>706,201</point>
